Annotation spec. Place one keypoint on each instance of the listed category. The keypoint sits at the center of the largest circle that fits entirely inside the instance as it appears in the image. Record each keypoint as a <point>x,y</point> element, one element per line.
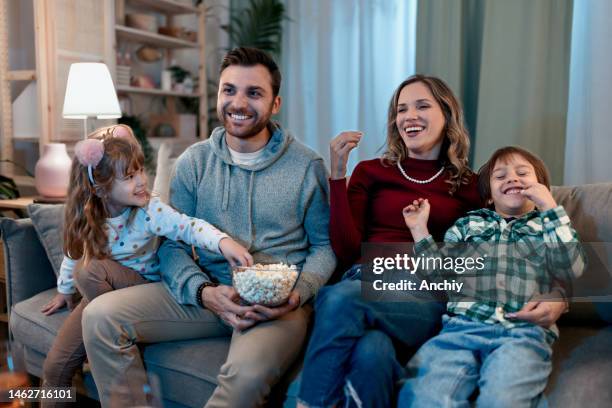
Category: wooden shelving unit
<point>168,9</point>
<point>155,91</point>
<point>157,40</point>
<point>165,6</point>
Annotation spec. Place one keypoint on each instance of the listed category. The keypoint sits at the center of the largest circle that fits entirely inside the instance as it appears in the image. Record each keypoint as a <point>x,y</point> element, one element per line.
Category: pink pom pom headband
<point>89,152</point>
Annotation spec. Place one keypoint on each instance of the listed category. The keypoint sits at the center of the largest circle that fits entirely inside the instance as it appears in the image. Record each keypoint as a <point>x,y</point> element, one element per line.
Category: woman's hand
<point>339,149</point>
<point>235,253</point>
<point>541,310</point>
<point>415,217</point>
<point>59,301</point>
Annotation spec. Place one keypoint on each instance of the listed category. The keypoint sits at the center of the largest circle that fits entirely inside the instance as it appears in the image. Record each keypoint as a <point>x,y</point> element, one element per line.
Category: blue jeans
<point>509,366</point>
<point>351,356</point>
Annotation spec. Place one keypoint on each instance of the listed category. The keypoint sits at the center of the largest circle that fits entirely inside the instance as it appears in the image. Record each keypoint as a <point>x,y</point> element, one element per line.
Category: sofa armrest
<point>26,265</point>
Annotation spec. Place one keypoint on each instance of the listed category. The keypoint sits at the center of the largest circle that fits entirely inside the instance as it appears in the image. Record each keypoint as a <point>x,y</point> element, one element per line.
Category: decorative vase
<point>52,172</point>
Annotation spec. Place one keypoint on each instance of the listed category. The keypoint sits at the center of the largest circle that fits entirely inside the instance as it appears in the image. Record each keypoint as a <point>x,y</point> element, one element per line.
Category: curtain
<point>509,63</point>
<point>589,138</point>
<point>341,61</point>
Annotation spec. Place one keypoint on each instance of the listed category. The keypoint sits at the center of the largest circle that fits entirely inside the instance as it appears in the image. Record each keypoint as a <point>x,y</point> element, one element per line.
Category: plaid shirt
<point>522,257</point>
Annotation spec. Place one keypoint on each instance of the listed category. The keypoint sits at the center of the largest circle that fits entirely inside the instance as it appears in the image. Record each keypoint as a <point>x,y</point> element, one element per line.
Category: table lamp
<point>90,93</point>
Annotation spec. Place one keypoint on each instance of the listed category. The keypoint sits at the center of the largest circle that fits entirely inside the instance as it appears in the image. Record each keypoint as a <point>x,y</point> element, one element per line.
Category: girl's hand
<point>416,216</point>
<point>235,253</point>
<point>540,195</point>
<point>339,149</point>
<point>58,302</point>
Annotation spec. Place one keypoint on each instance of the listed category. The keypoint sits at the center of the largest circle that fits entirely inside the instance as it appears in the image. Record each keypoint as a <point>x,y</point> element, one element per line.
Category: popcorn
<point>268,285</point>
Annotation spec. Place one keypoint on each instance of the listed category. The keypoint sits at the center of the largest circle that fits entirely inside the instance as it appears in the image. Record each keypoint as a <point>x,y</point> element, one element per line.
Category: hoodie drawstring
<point>226,188</point>
<point>251,230</point>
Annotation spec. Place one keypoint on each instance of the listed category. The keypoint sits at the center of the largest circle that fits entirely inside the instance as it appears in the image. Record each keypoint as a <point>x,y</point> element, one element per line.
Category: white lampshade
<point>90,92</point>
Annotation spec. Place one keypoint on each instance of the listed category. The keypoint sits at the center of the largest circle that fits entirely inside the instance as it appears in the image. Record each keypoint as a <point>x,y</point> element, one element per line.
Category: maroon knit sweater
<point>371,209</point>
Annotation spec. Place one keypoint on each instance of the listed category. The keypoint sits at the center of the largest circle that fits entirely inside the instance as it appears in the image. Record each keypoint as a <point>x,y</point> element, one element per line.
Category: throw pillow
<point>48,221</point>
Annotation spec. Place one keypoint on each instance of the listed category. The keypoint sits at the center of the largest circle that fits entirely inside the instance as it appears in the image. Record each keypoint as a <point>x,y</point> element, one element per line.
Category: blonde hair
<point>456,142</point>
<point>86,210</point>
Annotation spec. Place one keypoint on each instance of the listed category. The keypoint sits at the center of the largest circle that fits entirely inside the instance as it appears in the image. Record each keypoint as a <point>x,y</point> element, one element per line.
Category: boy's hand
<point>540,195</point>
<point>416,216</point>
<point>543,310</point>
<point>58,302</point>
<point>235,253</point>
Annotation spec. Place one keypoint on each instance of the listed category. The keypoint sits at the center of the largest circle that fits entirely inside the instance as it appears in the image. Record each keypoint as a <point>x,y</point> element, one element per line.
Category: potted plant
<point>8,188</point>
<point>140,132</point>
<point>258,25</point>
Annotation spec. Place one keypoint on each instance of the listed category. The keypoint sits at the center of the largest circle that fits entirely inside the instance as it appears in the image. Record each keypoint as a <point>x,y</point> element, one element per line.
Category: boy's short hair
<point>249,57</point>
<point>484,173</point>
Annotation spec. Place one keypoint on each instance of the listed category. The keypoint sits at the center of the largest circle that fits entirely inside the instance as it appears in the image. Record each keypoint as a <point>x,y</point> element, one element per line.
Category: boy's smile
<point>510,176</point>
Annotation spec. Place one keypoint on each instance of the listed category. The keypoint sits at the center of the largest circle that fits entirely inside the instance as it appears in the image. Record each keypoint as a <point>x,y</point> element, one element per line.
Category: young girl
<point>112,230</point>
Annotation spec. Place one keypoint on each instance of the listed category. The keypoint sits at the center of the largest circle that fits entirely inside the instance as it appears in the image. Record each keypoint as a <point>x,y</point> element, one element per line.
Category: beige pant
<point>115,322</point>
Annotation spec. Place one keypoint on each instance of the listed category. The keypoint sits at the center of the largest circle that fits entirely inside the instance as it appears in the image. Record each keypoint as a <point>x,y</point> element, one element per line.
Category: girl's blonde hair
<point>86,210</point>
<point>456,142</point>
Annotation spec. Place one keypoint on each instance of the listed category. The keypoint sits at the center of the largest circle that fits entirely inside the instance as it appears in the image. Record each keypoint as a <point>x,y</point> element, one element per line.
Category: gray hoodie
<point>277,208</point>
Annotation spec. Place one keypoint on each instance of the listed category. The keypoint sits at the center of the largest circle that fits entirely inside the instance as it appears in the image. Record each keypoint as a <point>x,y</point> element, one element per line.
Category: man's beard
<point>244,132</point>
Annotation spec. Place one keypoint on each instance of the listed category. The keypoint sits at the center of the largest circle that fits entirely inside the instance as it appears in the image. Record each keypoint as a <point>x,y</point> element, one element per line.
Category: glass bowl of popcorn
<point>267,285</point>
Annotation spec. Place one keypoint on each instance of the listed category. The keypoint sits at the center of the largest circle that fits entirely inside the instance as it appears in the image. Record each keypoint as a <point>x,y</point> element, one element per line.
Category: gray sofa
<point>582,361</point>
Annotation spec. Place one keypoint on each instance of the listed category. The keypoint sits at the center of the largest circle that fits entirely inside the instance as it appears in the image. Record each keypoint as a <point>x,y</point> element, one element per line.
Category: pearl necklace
<point>429,180</point>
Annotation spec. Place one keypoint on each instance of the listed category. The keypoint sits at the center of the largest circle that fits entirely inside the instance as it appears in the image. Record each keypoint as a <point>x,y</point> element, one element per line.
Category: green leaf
<point>259,25</point>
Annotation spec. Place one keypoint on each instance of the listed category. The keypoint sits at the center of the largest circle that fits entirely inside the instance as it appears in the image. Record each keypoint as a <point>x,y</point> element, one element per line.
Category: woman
<point>351,352</point>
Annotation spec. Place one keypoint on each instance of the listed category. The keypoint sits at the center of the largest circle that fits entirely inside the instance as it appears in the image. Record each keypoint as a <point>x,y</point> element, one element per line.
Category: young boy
<point>480,345</point>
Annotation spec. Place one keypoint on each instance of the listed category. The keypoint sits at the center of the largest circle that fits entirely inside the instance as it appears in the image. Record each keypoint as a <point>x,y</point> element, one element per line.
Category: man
<point>252,180</point>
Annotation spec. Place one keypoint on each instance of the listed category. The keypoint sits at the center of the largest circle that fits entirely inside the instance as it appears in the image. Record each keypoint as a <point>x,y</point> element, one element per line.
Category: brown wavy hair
<point>456,142</point>
<point>86,210</point>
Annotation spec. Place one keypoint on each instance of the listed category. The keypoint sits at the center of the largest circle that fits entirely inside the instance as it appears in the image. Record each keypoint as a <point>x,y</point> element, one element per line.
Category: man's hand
<point>541,311</point>
<point>262,313</point>
<point>415,217</point>
<point>222,301</point>
<point>59,301</point>
<point>540,195</point>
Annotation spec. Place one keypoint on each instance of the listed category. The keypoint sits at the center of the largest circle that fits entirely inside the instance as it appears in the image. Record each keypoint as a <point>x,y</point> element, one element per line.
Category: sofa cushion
<point>48,220</point>
<point>582,368</point>
<point>166,161</point>
<point>32,328</point>
<point>589,207</point>
<point>27,268</point>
